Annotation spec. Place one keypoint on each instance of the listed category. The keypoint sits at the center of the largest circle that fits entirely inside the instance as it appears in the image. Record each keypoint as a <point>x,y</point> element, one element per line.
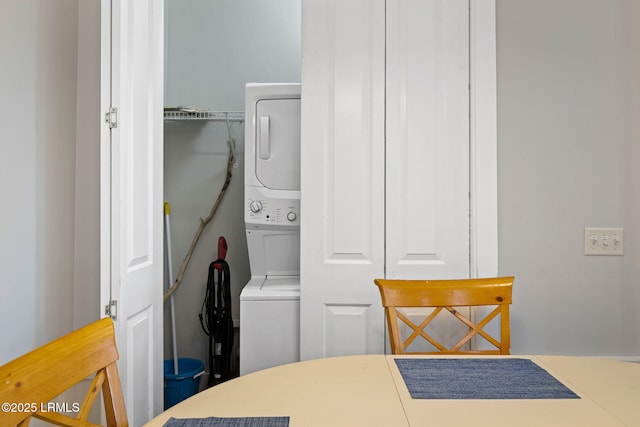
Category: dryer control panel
<point>271,211</point>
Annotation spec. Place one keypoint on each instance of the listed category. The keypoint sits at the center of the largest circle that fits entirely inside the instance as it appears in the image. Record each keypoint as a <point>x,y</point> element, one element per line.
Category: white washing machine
<point>270,302</point>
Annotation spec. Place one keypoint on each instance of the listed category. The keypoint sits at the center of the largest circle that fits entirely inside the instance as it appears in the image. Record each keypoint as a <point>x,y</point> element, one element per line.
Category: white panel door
<point>386,165</point>
<point>132,196</point>
<point>342,177</point>
<point>427,139</point>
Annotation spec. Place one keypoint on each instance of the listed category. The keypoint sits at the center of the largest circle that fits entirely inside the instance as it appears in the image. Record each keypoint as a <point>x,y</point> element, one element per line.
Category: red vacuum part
<point>222,251</point>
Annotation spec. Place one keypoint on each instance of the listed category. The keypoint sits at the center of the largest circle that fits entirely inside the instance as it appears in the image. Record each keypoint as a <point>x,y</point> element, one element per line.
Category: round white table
<point>369,391</point>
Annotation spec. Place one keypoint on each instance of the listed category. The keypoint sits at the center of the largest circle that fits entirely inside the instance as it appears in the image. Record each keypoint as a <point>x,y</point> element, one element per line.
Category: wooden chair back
<point>447,295</point>
<point>30,382</point>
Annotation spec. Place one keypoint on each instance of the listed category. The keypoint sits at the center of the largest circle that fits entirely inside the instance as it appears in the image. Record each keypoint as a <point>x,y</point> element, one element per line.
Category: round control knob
<point>255,206</point>
<point>291,216</point>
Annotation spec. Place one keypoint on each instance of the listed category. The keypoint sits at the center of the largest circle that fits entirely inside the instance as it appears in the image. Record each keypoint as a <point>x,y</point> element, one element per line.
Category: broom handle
<point>167,214</point>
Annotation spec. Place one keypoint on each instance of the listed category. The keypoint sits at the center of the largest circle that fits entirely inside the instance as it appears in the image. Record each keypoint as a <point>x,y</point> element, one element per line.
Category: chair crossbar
<point>474,328</point>
<point>81,419</point>
<point>58,419</point>
<point>418,330</point>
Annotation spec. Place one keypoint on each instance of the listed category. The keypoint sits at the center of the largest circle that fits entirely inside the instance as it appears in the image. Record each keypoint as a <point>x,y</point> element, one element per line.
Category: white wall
<point>212,50</point>
<point>568,141</point>
<point>38,47</point>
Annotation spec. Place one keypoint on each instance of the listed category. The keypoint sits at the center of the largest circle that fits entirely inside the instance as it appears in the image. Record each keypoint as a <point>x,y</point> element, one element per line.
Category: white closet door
<point>427,147</point>
<point>342,177</point>
<point>131,196</point>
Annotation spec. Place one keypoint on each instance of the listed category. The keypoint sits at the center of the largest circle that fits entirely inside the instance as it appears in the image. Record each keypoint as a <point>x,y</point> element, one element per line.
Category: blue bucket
<point>177,387</point>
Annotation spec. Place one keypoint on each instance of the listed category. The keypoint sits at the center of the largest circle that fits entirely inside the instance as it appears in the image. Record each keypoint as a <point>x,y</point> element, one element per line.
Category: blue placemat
<point>229,422</point>
<point>471,378</point>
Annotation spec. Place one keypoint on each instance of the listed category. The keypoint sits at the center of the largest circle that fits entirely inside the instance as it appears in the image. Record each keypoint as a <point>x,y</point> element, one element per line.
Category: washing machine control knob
<point>255,206</point>
<point>291,216</point>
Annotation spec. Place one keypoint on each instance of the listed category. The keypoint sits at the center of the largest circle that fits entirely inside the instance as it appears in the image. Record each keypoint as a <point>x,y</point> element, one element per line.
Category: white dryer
<point>270,302</point>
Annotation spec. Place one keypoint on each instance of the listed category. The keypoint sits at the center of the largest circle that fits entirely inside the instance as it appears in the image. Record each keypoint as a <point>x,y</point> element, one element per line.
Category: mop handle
<point>167,214</point>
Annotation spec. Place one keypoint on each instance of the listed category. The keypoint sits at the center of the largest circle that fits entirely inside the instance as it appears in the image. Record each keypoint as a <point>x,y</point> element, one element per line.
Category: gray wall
<point>38,47</point>
<point>86,271</point>
<point>214,47</point>
<point>212,50</point>
<point>568,141</point>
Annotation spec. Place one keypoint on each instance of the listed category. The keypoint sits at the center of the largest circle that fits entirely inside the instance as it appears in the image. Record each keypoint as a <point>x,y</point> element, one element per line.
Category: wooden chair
<point>447,295</point>
<point>30,382</point>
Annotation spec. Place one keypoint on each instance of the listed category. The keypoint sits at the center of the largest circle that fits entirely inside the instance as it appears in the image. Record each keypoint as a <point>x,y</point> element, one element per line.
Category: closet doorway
<point>212,49</point>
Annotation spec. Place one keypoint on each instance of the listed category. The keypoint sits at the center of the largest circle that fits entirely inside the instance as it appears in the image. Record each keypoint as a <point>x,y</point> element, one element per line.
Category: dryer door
<point>278,143</point>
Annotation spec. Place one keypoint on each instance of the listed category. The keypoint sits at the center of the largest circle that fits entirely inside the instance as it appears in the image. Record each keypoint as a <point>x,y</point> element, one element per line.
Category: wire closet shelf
<point>185,113</point>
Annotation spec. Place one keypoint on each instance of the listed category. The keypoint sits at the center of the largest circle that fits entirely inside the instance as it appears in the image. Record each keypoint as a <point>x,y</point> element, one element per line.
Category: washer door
<point>278,143</point>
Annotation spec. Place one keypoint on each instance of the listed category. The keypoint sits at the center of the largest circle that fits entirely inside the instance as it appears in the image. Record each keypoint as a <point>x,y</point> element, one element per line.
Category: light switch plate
<point>603,241</point>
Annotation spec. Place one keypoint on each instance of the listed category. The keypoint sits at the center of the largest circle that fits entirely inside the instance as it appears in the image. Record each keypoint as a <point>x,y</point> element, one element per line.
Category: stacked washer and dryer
<point>270,302</point>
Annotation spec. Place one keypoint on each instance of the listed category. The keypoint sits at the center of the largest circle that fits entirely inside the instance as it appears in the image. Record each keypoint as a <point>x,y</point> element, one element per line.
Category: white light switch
<point>603,241</point>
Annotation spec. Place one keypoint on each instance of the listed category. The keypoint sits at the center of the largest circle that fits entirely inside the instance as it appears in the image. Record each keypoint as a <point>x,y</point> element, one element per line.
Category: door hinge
<point>111,309</point>
<point>111,117</point>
